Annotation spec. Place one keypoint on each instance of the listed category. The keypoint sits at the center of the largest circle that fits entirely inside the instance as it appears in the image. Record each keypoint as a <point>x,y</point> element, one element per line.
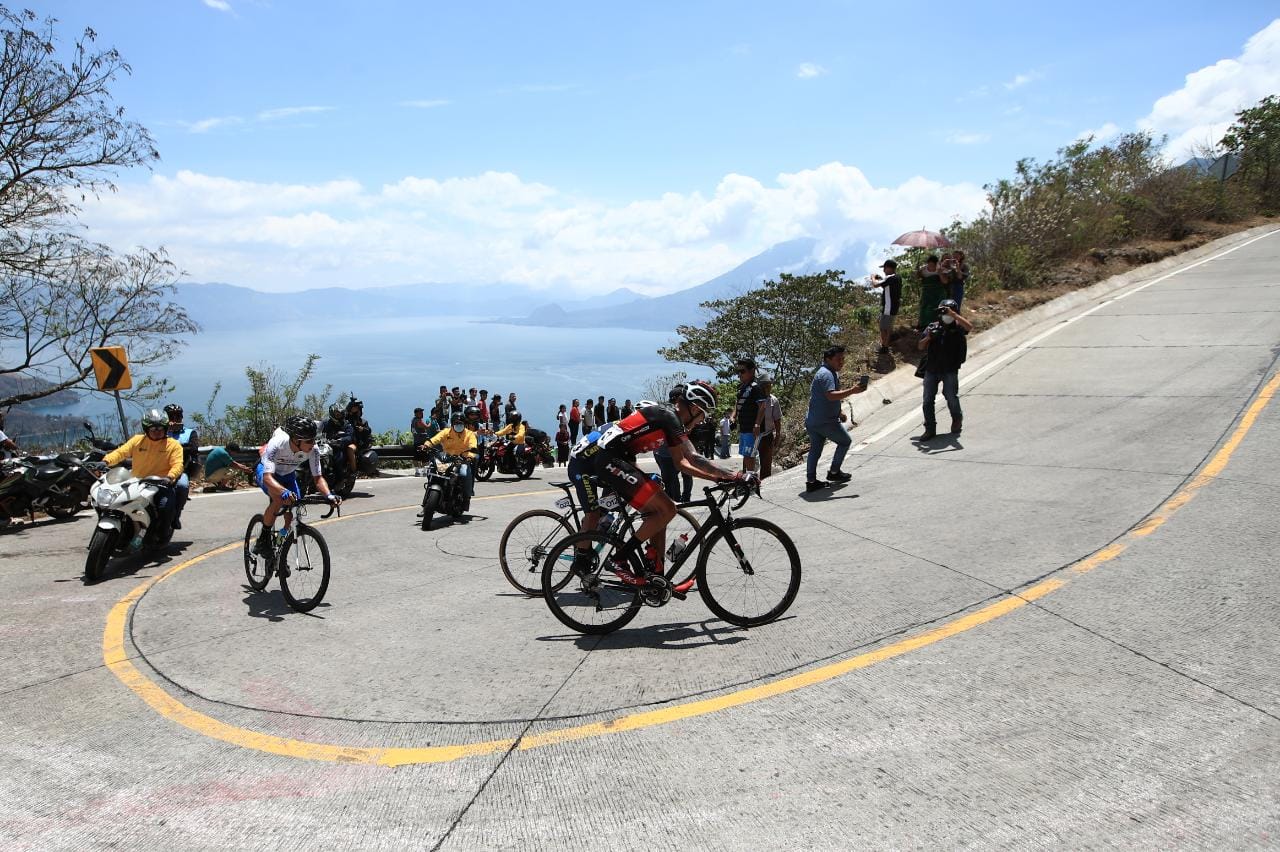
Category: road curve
<point>1054,630</point>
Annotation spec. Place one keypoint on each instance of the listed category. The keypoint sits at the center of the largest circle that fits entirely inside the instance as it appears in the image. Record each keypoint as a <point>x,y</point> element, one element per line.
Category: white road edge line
<point>1022,347</point>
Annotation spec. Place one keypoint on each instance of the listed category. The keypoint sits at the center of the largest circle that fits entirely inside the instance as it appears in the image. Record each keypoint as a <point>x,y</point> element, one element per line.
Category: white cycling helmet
<point>702,395</point>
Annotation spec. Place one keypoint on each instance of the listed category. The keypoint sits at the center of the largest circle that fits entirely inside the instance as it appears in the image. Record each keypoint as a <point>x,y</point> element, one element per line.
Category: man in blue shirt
<point>825,419</point>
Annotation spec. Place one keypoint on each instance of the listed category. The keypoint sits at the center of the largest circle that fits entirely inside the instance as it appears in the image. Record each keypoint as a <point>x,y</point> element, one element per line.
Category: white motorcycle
<point>129,519</point>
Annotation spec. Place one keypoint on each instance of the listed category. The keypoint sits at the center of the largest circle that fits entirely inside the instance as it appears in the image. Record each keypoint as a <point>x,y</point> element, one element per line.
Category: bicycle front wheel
<point>304,569</point>
<point>591,599</point>
<point>524,547</point>
<point>748,572</point>
<point>257,569</point>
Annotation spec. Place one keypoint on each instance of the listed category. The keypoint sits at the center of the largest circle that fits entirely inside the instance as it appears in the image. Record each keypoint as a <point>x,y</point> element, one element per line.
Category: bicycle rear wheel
<point>594,601</point>
<point>306,558</point>
<point>748,572</point>
<point>524,547</point>
<point>257,569</point>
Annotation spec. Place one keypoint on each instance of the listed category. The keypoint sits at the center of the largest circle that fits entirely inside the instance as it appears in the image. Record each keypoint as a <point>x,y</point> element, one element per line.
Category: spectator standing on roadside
<point>611,412</point>
<point>600,412</point>
<point>495,409</point>
<point>419,432</point>
<point>746,407</point>
<point>575,421</point>
<point>825,419</point>
<point>627,409</point>
<point>482,403</point>
<point>960,283</point>
<point>931,291</point>
<point>588,418</point>
<point>562,418</point>
<point>7,445</point>
<point>768,423</point>
<point>220,468</point>
<point>947,345</point>
<point>562,445</point>
<point>726,429</point>
<point>511,406</point>
<point>890,300</point>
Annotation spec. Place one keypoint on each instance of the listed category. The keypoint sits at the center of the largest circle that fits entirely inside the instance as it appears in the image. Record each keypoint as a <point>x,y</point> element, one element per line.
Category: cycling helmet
<point>514,418</point>
<point>154,418</point>
<point>300,428</point>
<point>174,411</point>
<point>701,395</point>
<point>337,412</point>
<point>471,413</point>
<point>676,393</point>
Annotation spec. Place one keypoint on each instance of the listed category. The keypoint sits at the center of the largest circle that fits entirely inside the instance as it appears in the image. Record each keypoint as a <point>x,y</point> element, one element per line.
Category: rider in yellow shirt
<point>458,440</point>
<point>153,453</point>
<point>514,428</point>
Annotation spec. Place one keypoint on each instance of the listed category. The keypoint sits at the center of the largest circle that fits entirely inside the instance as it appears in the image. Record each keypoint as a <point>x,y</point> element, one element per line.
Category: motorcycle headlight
<point>105,496</point>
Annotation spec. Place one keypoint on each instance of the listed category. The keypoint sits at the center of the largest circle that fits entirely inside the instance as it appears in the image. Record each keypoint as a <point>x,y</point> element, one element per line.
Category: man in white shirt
<point>726,428</point>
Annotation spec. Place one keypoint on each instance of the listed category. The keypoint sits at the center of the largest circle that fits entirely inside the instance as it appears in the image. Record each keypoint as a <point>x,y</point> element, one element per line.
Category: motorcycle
<point>333,464</point>
<point>129,518</point>
<point>445,489</point>
<point>540,445</point>
<point>506,457</point>
<point>57,485</point>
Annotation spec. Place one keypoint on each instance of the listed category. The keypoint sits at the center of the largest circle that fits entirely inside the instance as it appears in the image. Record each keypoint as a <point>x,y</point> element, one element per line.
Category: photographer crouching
<point>945,340</point>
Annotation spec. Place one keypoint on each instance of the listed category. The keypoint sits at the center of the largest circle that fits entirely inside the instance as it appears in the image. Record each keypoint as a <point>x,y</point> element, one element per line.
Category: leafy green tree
<point>1255,139</point>
<point>273,396</point>
<point>784,324</point>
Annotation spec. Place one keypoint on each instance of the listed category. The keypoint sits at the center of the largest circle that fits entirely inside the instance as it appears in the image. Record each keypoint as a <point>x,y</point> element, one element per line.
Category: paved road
<point>1054,631</point>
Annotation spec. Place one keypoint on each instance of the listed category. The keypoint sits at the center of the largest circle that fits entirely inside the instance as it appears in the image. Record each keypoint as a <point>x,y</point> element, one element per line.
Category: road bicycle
<point>527,540</point>
<point>748,570</point>
<point>299,556</point>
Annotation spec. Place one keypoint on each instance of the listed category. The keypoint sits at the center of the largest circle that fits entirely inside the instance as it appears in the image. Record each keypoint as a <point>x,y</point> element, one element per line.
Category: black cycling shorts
<point>604,470</point>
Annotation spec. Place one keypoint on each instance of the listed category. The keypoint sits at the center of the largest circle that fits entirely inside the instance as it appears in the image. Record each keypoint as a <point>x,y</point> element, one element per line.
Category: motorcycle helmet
<point>154,418</point>
<point>701,394</point>
<point>300,428</point>
<point>174,411</point>
<point>945,303</point>
<point>337,412</point>
<point>457,420</point>
<point>472,414</point>
<point>514,418</point>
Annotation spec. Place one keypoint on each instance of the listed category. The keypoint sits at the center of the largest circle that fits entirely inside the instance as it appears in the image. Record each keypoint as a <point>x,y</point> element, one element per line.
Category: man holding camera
<point>826,418</point>
<point>947,345</point>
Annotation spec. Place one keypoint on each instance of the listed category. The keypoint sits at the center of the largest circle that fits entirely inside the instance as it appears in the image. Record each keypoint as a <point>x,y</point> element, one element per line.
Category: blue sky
<point>586,146</point>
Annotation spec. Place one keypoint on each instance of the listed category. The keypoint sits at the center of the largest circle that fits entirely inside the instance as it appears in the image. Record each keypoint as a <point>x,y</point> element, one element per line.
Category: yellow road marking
<point>116,659</point>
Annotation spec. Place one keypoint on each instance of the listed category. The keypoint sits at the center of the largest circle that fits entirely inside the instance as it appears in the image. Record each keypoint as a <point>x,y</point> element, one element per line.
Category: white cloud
<point>1205,106</point>
<point>220,5</point>
<point>1020,80</point>
<point>289,112</point>
<point>1100,134</point>
<point>204,125</point>
<point>809,70</point>
<point>962,138</point>
<point>497,227</point>
<point>426,104</point>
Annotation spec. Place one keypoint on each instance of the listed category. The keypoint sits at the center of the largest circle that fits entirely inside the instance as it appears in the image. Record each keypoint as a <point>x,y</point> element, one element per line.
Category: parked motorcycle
<point>57,485</point>
<point>506,457</point>
<point>129,518</point>
<point>445,489</point>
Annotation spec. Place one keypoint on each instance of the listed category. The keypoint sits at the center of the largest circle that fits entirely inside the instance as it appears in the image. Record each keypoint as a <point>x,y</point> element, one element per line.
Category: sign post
<point>111,368</point>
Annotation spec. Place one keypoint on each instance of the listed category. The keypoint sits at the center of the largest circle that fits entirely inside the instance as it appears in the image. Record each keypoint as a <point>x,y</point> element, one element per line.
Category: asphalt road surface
<point>1056,630</point>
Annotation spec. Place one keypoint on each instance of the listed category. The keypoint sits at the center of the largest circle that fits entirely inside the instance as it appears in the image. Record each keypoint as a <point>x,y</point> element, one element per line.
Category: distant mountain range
<point>221,306</point>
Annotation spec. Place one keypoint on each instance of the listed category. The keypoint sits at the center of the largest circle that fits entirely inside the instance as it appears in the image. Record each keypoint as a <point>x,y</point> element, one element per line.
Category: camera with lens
<point>934,328</point>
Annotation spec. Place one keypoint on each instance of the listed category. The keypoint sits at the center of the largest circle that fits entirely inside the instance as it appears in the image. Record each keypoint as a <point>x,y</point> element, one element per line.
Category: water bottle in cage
<point>677,547</point>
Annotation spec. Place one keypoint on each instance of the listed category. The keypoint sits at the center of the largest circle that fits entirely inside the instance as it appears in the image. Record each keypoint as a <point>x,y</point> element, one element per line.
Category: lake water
<point>397,364</point>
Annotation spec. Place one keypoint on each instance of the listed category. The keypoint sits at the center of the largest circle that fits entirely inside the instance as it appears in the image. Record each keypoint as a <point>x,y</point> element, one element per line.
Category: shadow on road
<point>939,445</point>
<point>271,605</point>
<point>127,567</point>
<point>830,493</point>
<point>673,636</point>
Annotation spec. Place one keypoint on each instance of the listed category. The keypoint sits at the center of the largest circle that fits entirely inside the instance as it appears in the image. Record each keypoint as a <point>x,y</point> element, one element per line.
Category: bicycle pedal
<point>679,595</point>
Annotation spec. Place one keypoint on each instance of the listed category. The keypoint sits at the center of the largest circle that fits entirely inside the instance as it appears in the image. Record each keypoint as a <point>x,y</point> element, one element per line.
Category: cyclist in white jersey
<point>288,449</point>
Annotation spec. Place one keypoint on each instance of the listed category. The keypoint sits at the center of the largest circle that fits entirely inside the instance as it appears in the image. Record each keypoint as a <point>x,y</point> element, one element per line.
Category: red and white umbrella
<point>922,239</point>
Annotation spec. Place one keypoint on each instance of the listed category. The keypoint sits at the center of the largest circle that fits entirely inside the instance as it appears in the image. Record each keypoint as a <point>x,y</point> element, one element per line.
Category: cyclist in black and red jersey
<point>607,456</point>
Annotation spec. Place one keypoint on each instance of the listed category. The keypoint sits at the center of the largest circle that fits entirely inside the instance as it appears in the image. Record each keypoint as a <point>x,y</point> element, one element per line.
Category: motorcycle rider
<point>190,458</point>
<point>360,429</point>
<point>608,454</point>
<point>337,431</point>
<point>458,440</point>
<point>289,447</point>
<point>154,453</point>
<point>515,428</point>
